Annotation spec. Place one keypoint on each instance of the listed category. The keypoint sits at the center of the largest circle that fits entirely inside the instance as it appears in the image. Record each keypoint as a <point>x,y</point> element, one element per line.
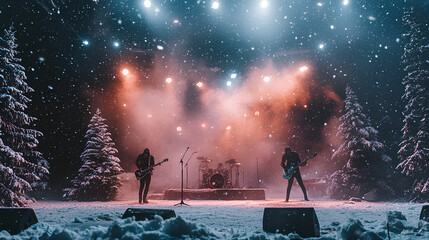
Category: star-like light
<point>303,68</point>
<point>228,127</point>
<point>346,2</point>
<point>319,4</point>
<point>233,75</point>
<point>321,46</point>
<point>147,3</point>
<point>264,3</point>
<point>179,129</point>
<point>169,80</point>
<point>199,84</point>
<point>215,5</point>
<point>159,47</point>
<point>85,42</point>
<point>229,83</point>
<point>267,79</point>
<point>116,44</point>
<point>125,72</point>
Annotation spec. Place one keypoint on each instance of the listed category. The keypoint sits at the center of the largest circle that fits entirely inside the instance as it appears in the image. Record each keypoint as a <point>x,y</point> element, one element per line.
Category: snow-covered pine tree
<point>414,149</point>
<point>361,153</point>
<point>21,163</point>
<point>98,178</point>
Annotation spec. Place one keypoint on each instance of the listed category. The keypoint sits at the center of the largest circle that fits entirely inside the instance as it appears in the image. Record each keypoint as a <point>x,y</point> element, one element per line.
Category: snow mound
<point>179,228</point>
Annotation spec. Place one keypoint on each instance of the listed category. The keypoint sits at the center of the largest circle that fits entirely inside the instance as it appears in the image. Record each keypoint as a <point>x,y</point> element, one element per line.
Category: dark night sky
<point>347,42</point>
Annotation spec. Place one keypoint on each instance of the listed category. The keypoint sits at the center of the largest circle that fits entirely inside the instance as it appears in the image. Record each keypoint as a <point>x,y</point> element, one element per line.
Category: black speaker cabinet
<point>424,214</point>
<point>147,213</point>
<point>302,221</point>
<point>15,220</point>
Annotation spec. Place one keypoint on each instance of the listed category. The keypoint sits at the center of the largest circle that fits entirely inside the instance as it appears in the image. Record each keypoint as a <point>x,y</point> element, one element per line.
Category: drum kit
<point>220,177</point>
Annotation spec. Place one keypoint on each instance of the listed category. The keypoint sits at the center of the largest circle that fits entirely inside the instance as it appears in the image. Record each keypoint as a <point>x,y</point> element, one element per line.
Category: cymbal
<point>231,161</point>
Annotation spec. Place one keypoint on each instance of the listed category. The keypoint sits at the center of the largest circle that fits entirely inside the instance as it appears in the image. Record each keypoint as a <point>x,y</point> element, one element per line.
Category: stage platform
<point>216,194</point>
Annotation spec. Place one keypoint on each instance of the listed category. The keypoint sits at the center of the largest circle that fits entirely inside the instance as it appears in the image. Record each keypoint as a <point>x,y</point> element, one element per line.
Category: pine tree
<point>414,149</point>
<point>98,178</point>
<point>20,162</point>
<point>360,151</point>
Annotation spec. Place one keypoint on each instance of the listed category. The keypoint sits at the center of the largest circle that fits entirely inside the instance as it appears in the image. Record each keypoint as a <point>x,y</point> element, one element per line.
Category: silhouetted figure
<point>290,159</point>
<point>145,161</point>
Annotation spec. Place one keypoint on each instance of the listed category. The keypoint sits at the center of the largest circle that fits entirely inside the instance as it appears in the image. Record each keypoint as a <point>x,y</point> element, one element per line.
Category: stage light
<point>85,42</point>
<point>264,4</point>
<point>125,72</point>
<point>321,46</point>
<point>147,4</point>
<point>179,129</point>
<point>229,83</point>
<point>305,106</point>
<point>346,2</point>
<point>228,127</point>
<point>169,80</point>
<point>203,125</point>
<point>267,79</point>
<point>332,27</point>
<point>159,47</point>
<point>303,68</point>
<point>319,4</point>
<point>233,75</point>
<point>125,104</point>
<point>215,5</point>
<point>116,44</point>
<point>257,113</point>
<point>176,21</point>
<point>199,84</point>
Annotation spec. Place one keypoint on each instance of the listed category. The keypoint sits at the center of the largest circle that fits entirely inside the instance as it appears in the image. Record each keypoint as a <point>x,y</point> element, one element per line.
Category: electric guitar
<point>288,173</point>
<point>142,173</point>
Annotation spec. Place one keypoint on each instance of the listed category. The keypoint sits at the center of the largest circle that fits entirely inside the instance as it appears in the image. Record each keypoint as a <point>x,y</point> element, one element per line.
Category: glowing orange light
<point>303,68</point>
<point>305,106</point>
<point>199,84</point>
<point>228,127</point>
<point>257,113</point>
<point>125,72</point>
<point>169,80</point>
<point>179,129</point>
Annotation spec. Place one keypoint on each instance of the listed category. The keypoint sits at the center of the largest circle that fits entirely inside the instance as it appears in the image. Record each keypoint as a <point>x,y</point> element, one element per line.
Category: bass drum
<point>216,181</point>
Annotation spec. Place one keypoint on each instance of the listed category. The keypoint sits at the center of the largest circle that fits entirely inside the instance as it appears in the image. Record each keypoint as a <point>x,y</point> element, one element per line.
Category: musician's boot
<point>140,199</point>
<point>145,200</point>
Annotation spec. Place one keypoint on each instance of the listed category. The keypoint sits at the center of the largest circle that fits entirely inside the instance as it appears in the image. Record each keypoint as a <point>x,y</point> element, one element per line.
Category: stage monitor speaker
<point>147,213</point>
<point>15,220</point>
<point>302,221</point>
<point>424,214</point>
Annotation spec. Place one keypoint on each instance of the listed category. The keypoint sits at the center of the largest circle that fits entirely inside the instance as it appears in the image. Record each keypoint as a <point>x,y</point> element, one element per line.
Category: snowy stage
<point>216,194</point>
<point>213,220</point>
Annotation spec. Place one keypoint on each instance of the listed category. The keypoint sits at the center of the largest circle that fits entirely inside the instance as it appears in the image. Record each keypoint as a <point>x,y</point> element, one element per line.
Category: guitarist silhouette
<point>145,161</point>
<point>291,159</point>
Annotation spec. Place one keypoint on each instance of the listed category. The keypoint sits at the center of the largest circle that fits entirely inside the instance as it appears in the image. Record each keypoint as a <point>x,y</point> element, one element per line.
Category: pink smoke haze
<point>265,109</point>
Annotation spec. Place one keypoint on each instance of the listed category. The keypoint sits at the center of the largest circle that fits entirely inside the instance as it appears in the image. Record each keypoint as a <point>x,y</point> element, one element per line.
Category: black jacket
<point>143,163</point>
<point>291,160</point>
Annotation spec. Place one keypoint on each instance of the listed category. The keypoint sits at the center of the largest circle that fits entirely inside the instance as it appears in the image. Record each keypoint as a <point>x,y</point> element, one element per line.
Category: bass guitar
<point>288,173</point>
<point>142,173</point>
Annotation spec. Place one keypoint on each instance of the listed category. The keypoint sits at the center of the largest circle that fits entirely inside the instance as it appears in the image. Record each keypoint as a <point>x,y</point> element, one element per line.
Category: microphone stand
<point>181,192</point>
<point>187,172</point>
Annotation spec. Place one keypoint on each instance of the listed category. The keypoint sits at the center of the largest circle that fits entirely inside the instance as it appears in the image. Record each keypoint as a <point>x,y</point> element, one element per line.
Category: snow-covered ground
<point>211,220</point>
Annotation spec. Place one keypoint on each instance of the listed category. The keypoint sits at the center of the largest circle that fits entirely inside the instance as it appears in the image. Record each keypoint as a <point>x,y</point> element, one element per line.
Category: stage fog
<point>249,116</point>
